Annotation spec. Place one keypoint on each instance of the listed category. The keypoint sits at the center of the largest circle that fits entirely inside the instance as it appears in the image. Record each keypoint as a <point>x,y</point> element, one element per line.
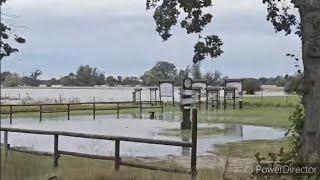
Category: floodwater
<point>143,128</point>
<point>85,94</point>
<point>79,94</point>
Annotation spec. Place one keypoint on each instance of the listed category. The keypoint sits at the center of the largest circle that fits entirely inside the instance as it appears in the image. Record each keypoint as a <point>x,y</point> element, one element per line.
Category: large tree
<point>7,38</point>
<point>161,71</point>
<point>194,16</point>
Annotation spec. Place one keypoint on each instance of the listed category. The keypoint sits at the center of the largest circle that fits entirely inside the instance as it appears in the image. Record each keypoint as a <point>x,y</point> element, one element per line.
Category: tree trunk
<point>310,19</point>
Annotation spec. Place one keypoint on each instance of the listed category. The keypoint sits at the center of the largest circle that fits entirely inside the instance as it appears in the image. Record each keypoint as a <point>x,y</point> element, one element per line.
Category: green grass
<point>33,167</point>
<point>272,101</point>
<point>262,116</point>
<point>247,149</point>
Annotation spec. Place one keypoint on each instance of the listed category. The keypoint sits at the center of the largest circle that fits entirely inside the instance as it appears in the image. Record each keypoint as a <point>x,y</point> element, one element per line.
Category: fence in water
<point>11,109</point>
<point>117,139</point>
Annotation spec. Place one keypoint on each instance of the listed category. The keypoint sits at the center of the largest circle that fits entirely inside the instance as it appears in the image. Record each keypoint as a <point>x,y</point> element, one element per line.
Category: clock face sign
<point>187,83</point>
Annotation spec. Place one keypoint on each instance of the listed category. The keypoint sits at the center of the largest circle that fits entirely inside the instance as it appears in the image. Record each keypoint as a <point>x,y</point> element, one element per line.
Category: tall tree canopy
<point>6,40</point>
<point>194,15</point>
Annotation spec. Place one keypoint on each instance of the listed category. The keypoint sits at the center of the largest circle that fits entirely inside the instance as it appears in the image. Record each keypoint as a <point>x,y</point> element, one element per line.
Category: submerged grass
<point>249,115</point>
<point>202,131</point>
<point>247,149</point>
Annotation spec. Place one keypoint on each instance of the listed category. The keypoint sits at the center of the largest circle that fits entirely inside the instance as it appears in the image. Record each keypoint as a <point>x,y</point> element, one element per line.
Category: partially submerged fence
<point>11,109</point>
<point>117,139</point>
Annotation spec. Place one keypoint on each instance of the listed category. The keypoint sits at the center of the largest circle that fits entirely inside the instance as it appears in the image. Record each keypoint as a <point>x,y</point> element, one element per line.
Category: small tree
<point>251,85</point>
<point>295,84</point>
<point>111,81</point>
<point>12,80</point>
<point>32,79</point>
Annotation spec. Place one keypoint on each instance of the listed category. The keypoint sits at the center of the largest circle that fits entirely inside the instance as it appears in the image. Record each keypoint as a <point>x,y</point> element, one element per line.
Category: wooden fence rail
<point>117,139</point>
<point>91,106</point>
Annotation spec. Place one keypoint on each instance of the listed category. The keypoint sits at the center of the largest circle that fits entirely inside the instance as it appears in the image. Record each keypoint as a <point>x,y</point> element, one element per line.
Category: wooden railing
<point>11,109</point>
<point>117,139</point>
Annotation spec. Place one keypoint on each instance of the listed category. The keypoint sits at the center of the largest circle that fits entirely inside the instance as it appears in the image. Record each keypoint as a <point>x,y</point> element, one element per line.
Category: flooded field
<point>77,94</point>
<point>209,135</point>
<point>69,94</point>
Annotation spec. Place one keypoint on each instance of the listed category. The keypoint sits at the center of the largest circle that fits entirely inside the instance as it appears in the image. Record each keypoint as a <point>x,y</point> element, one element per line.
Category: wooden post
<point>5,142</point>
<point>11,114</point>
<point>161,102</point>
<point>218,100</point>
<point>173,95</point>
<point>140,109</point>
<point>160,90</point>
<point>150,96</point>
<point>207,100</point>
<point>40,113</point>
<point>118,110</point>
<point>199,98</point>
<point>194,115</point>
<point>68,111</point>
<point>94,110</point>
<point>224,101</point>
<point>56,151</point>
<point>117,156</point>
<point>234,99</point>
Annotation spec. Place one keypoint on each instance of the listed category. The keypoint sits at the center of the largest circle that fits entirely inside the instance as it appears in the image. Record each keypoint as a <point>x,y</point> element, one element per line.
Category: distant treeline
<point>91,76</point>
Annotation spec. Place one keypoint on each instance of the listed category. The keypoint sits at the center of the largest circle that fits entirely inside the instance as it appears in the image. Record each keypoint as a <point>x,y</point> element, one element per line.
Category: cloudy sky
<point>119,37</point>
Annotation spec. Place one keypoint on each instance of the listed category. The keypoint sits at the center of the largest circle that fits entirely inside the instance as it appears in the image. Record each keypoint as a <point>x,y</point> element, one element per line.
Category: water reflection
<point>143,128</point>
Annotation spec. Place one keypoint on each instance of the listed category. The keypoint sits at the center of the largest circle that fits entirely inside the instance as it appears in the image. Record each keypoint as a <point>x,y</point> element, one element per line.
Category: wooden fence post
<point>140,109</point>
<point>40,112</point>
<point>94,110</point>
<point>118,110</point>
<point>207,100</point>
<point>218,100</point>
<point>11,112</point>
<point>224,101</point>
<point>234,99</point>
<point>5,142</point>
<point>161,102</point>
<point>117,156</point>
<point>68,111</point>
<point>194,143</point>
<point>56,151</point>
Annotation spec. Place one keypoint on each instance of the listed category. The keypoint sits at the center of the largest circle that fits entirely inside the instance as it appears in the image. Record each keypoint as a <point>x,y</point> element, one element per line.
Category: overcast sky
<point>119,37</point>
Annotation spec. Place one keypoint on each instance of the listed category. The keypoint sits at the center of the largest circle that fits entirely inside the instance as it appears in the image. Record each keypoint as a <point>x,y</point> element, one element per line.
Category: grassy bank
<point>32,167</point>
<point>272,101</point>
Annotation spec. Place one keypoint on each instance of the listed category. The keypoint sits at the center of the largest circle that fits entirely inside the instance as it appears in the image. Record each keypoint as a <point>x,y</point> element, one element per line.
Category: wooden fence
<point>11,109</point>
<point>117,139</point>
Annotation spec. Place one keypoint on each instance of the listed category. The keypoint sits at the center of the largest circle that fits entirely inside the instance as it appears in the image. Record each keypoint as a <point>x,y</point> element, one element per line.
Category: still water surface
<point>143,128</point>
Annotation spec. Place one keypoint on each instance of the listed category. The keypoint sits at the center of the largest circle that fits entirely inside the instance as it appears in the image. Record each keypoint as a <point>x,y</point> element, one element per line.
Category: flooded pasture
<point>86,94</point>
<point>209,135</point>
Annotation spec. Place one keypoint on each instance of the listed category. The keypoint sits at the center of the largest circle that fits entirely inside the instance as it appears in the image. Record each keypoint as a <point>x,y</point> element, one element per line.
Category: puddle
<point>143,128</point>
